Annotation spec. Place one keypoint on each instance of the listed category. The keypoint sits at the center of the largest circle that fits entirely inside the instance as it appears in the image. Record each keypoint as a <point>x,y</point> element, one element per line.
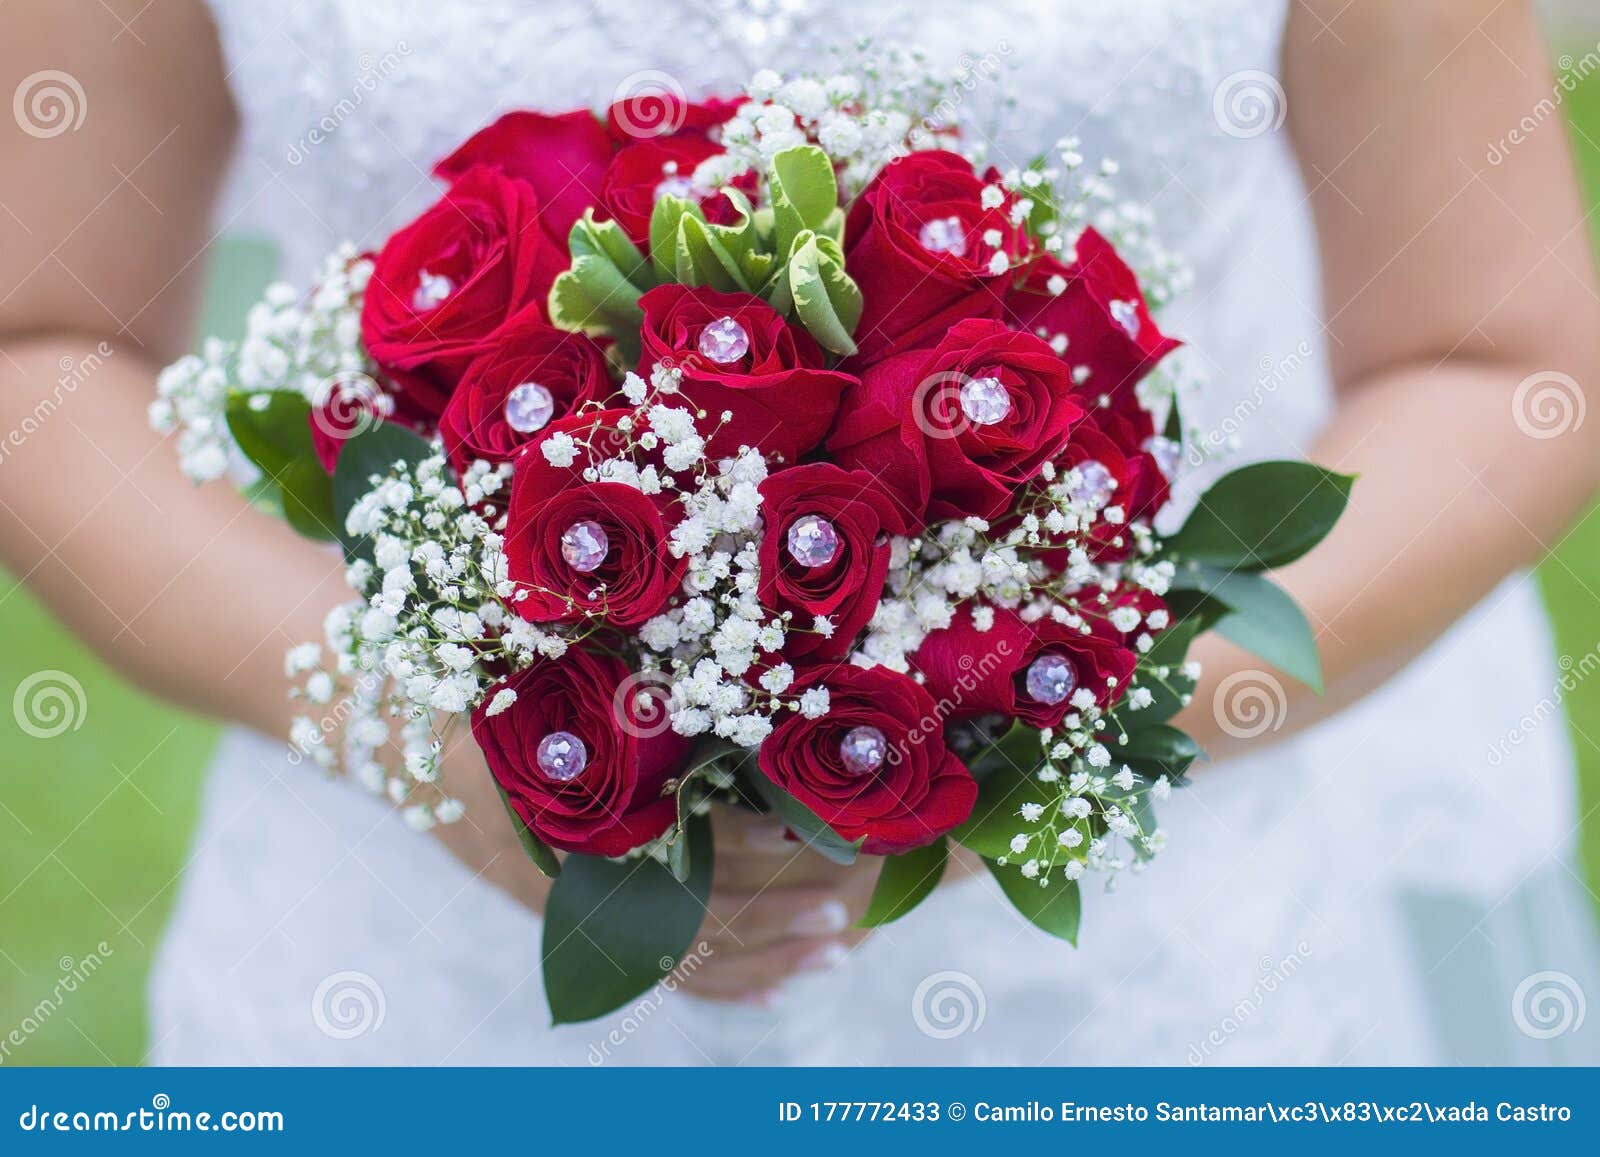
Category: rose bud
<point>578,765</point>
<point>1100,311</point>
<point>445,283</point>
<point>926,252</point>
<point>641,174</point>
<point>957,429</point>
<point>875,767</point>
<point>825,551</point>
<point>561,158</point>
<point>531,376</point>
<point>738,355</point>
<point>578,549</point>
<point>658,115</point>
<point>1026,671</point>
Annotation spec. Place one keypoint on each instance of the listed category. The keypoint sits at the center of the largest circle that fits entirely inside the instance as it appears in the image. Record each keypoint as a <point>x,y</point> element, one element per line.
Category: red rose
<point>562,157</point>
<point>344,406</point>
<point>492,416</point>
<point>916,789</point>
<point>841,520</point>
<point>1100,311</point>
<point>577,548</point>
<point>972,672</point>
<point>765,371</point>
<point>602,798</point>
<point>652,115</point>
<point>955,430</point>
<point>914,242</point>
<point>446,282</point>
<point>640,174</point>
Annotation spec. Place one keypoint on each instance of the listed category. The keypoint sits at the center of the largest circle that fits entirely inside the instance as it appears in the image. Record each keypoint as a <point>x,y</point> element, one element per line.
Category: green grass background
<point>94,824</point>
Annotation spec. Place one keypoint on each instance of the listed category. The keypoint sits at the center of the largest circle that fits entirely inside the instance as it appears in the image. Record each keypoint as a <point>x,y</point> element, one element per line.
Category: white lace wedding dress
<point>1391,887</point>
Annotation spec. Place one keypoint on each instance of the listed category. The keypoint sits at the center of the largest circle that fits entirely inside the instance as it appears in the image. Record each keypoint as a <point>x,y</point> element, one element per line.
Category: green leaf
<point>612,929</point>
<point>701,259</point>
<point>1006,781</point>
<point>664,218</point>
<point>805,196</point>
<point>374,451</point>
<point>605,242</point>
<point>599,293</point>
<point>543,857</point>
<point>804,822</point>
<point>1261,618</point>
<point>1263,516</point>
<point>1056,907</point>
<point>1156,751</point>
<point>306,491</point>
<point>905,881</point>
<point>824,297</point>
<point>273,430</point>
<point>272,427</point>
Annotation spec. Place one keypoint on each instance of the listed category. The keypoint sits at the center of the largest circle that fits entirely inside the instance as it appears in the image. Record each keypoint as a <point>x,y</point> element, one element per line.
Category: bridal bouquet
<point>773,452</point>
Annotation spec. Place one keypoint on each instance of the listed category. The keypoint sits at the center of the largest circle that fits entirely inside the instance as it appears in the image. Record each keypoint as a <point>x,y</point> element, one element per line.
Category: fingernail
<point>763,998</point>
<point>829,916</point>
<point>824,959</point>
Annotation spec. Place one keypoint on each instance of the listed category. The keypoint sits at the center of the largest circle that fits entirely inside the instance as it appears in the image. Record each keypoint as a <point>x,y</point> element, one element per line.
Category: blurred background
<point>97,802</point>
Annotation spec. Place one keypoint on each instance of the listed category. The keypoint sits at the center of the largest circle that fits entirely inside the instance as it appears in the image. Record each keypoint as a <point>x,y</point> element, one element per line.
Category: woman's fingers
<point>750,920</point>
<point>756,976</point>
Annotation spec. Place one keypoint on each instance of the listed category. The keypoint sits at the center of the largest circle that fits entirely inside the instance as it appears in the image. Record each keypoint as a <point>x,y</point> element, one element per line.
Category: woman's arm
<point>103,239</point>
<point>1447,281</point>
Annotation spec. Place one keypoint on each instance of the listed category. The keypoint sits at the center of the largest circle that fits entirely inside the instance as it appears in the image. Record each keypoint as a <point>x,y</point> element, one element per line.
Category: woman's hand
<point>777,908</point>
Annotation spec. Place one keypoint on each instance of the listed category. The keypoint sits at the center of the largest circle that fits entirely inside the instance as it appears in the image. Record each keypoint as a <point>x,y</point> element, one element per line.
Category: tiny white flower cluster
<point>872,106</point>
<point>433,614</point>
<point>291,343</point>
